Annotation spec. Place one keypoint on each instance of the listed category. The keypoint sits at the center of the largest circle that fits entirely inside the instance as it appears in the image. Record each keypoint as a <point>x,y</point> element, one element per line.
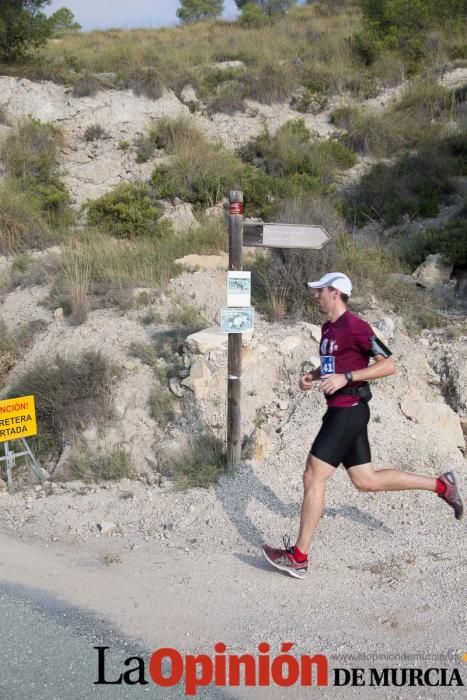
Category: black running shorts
<point>343,437</point>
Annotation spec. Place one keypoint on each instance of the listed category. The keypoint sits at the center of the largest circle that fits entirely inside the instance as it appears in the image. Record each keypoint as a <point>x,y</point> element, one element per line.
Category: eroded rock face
<point>455,373</point>
<point>193,262</point>
<point>433,272</point>
<point>386,327</point>
<point>434,416</point>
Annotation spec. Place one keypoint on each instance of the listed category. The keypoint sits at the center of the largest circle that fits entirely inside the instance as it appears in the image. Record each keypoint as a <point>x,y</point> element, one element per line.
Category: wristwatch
<point>349,376</point>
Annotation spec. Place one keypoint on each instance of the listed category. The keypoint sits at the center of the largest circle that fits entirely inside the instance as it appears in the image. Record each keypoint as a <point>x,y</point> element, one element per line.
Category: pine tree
<point>270,7</point>
<point>197,10</point>
<point>22,26</point>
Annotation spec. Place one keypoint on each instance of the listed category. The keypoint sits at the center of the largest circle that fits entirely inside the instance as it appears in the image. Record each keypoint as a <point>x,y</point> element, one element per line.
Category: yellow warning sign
<point>17,418</point>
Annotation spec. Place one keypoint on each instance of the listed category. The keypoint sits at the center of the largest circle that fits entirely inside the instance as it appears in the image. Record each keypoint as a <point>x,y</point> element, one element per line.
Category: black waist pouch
<point>364,393</point>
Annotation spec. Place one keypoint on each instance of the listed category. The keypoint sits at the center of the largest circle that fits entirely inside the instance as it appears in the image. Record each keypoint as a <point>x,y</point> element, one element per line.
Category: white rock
<point>199,378</point>
<point>315,332</point>
<point>207,340</point>
<point>192,263</point>
<point>106,528</point>
<point>216,212</point>
<point>175,387</point>
<point>58,313</point>
<point>399,277</point>
<point>386,327</point>
<point>433,272</point>
<point>288,345</point>
<point>181,217</point>
<point>90,434</point>
<point>434,416</point>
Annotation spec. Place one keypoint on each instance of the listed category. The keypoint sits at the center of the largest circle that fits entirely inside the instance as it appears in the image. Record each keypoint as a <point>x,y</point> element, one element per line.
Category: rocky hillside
<point>272,357</point>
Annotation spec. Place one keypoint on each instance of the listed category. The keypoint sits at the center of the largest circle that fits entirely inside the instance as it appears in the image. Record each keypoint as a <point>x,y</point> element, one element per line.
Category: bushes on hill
<point>70,394</point>
<point>145,82</point>
<point>414,185</point>
<point>291,152</point>
<point>200,173</point>
<point>402,25</point>
<point>22,26</point>
<point>31,158</point>
<point>450,241</point>
<point>22,224</point>
<point>197,10</point>
<point>418,115</point>
<point>95,466</point>
<point>127,211</point>
<point>168,133</point>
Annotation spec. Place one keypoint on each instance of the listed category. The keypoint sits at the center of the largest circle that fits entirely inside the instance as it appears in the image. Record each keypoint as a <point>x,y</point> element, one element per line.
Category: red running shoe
<point>452,495</point>
<point>284,560</point>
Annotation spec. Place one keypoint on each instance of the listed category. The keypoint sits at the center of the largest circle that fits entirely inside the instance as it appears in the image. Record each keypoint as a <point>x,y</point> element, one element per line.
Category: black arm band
<point>379,348</point>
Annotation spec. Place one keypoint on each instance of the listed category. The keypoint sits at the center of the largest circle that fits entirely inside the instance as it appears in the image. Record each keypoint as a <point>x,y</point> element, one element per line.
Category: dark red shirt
<point>346,343</point>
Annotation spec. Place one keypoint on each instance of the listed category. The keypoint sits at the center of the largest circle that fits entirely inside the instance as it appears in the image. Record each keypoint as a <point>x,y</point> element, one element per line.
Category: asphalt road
<point>46,652</point>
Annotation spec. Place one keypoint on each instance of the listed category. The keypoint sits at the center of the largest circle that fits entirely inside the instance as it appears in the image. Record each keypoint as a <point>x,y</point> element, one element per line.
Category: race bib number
<point>328,365</point>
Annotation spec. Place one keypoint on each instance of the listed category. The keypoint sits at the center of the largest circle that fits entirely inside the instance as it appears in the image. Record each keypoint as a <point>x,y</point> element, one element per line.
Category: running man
<point>347,343</point>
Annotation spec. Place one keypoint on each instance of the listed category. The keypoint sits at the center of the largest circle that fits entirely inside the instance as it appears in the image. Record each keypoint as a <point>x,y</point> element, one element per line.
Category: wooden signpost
<point>254,234</point>
<point>284,236</point>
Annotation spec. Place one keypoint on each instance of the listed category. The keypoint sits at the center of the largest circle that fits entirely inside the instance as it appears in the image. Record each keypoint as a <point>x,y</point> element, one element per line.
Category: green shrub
<point>70,394</point>
<point>291,153</point>
<point>415,185</point>
<point>270,83</point>
<point>188,317</point>
<point>22,27</point>
<point>228,99</point>
<point>402,26</point>
<point>171,133</point>
<point>22,225</point>
<point>368,132</point>
<point>201,463</point>
<point>30,155</point>
<point>311,100</point>
<point>94,132</point>
<point>450,241</point>
<point>253,17</point>
<point>260,192</point>
<point>145,145</point>
<point>32,150</point>
<point>161,405</point>
<point>145,82</point>
<point>145,352</point>
<point>91,466</point>
<point>128,211</point>
<point>9,351</point>
<point>456,147</point>
<point>200,173</point>
<point>87,85</point>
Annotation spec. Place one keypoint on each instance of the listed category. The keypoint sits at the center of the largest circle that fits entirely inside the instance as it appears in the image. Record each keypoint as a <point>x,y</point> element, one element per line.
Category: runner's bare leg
<point>315,478</point>
<point>366,478</point>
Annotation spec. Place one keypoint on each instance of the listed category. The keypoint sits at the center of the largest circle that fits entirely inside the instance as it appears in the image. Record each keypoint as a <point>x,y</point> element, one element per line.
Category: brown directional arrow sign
<point>284,235</point>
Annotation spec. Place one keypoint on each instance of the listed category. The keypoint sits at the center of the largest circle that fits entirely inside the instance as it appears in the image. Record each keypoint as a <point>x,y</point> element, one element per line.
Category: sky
<point>126,14</point>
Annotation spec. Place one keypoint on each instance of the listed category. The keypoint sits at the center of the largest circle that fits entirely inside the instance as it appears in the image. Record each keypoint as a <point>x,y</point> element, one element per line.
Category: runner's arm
<point>382,367</point>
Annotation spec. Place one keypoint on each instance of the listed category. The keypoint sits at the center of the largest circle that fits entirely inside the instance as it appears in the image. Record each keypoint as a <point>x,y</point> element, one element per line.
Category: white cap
<point>334,279</point>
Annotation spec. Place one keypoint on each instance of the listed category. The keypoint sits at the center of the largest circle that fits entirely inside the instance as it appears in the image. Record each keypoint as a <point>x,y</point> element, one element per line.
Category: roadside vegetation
<point>71,393</point>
